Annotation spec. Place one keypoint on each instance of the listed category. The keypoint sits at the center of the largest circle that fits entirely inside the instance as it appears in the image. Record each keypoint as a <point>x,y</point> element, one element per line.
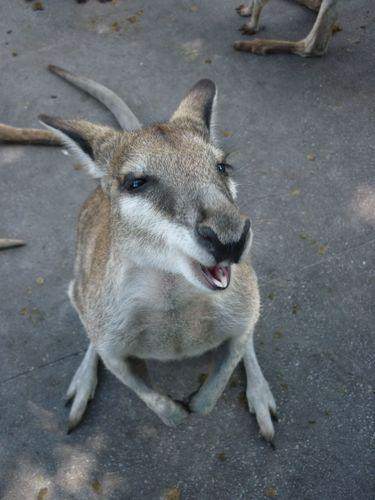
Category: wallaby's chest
<point>154,316</point>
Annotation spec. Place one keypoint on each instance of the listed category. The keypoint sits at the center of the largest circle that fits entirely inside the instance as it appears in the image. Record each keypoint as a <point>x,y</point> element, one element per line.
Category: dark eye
<point>136,183</point>
<point>222,168</point>
<point>133,184</point>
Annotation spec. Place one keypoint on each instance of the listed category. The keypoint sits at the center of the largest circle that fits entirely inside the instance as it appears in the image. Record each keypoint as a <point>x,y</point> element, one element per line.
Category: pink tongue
<point>216,272</point>
<point>220,274</point>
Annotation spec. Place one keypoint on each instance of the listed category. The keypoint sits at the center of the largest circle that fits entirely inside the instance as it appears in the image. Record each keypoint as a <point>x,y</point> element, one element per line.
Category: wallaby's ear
<point>198,104</point>
<point>91,144</point>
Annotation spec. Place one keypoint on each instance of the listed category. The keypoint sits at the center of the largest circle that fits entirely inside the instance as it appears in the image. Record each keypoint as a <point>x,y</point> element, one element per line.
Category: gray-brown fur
<point>139,283</point>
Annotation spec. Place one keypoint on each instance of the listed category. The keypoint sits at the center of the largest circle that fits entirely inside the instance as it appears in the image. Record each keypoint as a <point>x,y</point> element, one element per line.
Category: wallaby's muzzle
<point>230,251</point>
<point>218,277</point>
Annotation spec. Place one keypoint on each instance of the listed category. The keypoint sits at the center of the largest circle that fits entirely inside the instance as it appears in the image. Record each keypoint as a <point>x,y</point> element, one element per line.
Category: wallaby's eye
<point>136,183</point>
<point>133,184</point>
<point>222,168</point>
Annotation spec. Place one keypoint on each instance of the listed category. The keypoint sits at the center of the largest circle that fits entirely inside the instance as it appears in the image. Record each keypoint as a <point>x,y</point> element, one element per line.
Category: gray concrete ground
<point>313,251</point>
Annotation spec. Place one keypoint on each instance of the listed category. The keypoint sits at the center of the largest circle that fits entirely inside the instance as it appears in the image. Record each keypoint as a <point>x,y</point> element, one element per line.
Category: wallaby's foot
<point>263,47</point>
<point>244,10</point>
<point>248,29</point>
<point>82,387</point>
<point>314,44</point>
<point>171,412</point>
<point>201,403</point>
<point>262,403</point>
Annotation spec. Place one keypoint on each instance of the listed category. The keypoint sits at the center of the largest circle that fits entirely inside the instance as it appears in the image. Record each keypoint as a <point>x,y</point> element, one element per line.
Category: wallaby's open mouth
<point>217,277</point>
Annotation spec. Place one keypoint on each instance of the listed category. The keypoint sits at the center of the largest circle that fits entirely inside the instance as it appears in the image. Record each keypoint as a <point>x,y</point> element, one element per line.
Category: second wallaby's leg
<point>315,43</point>
<point>82,387</point>
<point>254,10</point>
<point>126,370</point>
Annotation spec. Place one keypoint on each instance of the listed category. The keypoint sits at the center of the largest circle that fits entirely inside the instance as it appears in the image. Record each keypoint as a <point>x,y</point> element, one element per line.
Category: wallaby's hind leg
<point>258,393</point>
<point>127,371</point>
<point>225,362</point>
<point>82,387</point>
<point>315,43</point>
<point>254,10</point>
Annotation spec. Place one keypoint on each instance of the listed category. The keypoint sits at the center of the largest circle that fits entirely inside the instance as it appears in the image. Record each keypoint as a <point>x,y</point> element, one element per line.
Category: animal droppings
<point>295,192</point>
<point>271,491</point>
<point>322,249</point>
<point>38,6</point>
<point>97,487</point>
<point>227,133</point>
<point>296,308</point>
<point>172,494</point>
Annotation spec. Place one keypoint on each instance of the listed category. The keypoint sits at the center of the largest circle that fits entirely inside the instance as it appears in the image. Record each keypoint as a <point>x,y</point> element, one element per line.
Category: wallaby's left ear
<point>91,144</point>
<point>198,104</point>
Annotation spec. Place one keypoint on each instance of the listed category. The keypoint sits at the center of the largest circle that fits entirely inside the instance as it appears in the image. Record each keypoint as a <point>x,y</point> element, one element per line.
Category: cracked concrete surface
<point>313,251</point>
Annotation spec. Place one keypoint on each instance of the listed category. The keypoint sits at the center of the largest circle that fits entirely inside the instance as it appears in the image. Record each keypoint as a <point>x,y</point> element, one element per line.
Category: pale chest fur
<point>151,314</point>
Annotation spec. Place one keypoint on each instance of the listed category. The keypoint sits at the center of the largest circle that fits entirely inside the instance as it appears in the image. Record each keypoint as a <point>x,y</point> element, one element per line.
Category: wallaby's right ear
<point>199,104</point>
<point>90,144</point>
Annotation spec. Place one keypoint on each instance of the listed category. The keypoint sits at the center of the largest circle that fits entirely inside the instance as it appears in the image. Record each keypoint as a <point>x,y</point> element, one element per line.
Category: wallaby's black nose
<point>231,251</point>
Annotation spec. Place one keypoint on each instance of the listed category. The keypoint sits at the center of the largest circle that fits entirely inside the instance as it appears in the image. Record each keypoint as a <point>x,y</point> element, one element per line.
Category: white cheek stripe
<point>143,214</point>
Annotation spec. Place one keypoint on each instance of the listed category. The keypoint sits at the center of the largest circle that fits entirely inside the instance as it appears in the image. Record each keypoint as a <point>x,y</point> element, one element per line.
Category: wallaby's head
<point>170,189</point>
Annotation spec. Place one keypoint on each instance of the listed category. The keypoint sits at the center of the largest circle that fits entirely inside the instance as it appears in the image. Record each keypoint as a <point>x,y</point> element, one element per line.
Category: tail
<point>28,136</point>
<point>123,114</point>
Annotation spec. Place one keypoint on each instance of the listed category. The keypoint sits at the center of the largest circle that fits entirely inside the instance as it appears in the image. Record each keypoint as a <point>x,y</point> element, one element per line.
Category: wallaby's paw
<point>244,10</point>
<point>175,414</point>
<point>201,403</point>
<point>253,46</point>
<point>81,391</point>
<point>246,29</point>
<point>261,403</point>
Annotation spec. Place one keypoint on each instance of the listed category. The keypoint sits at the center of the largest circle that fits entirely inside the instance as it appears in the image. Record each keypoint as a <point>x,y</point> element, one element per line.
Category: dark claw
<point>184,403</point>
<point>274,417</point>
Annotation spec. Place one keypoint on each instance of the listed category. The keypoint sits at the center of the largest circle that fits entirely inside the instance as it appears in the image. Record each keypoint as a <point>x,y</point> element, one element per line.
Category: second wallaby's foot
<point>82,387</point>
<point>262,47</point>
<point>248,29</point>
<point>314,44</point>
<point>244,10</point>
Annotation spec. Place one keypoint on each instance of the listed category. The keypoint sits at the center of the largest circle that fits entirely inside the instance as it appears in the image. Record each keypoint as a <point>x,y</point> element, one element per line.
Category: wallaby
<point>314,44</point>
<point>162,260</point>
